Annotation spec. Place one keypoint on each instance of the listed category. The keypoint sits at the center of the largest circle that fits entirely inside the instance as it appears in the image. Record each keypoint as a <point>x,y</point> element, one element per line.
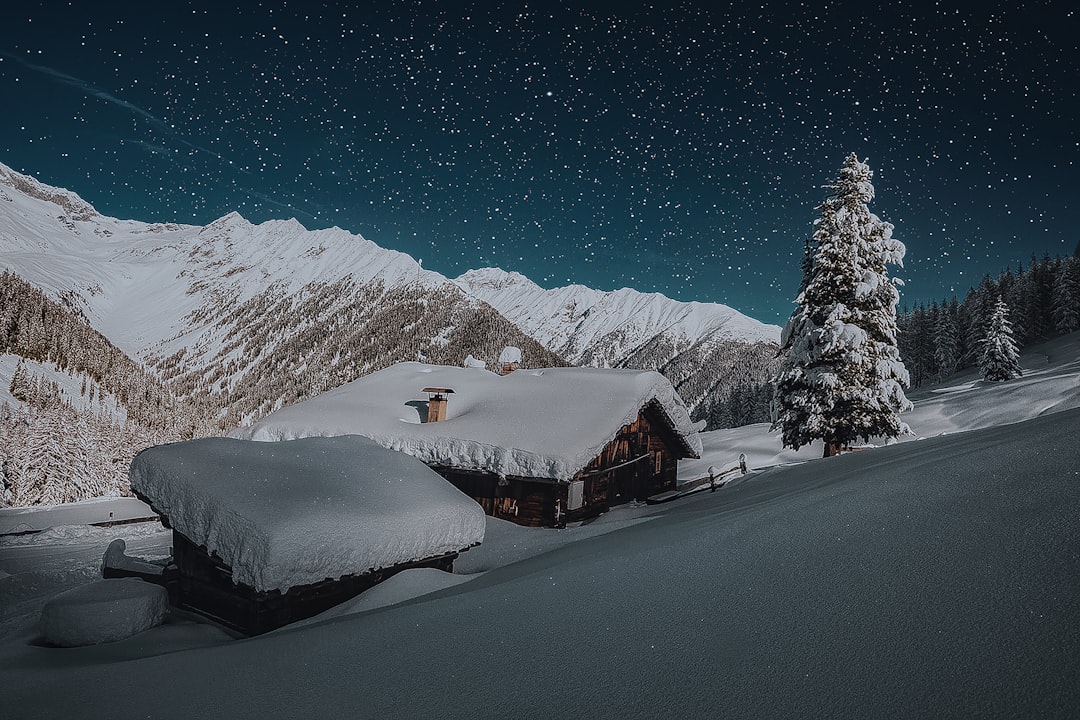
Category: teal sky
<point>671,148</point>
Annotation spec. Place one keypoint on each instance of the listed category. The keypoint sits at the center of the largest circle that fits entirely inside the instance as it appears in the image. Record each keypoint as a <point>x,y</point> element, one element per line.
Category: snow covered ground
<point>935,578</point>
<point>1051,383</point>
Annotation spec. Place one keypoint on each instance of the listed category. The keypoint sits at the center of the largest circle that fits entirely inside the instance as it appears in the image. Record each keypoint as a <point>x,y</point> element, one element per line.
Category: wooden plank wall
<point>607,480</point>
<point>206,586</point>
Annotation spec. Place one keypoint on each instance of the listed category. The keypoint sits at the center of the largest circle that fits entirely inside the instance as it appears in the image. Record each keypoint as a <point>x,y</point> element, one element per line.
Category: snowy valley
<point>936,576</point>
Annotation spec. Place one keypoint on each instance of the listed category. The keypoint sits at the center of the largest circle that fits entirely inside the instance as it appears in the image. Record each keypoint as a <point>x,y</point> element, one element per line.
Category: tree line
<point>1042,300</point>
<point>848,356</point>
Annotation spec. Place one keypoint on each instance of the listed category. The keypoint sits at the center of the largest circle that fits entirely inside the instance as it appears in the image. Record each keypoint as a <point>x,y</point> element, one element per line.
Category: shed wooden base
<point>204,584</point>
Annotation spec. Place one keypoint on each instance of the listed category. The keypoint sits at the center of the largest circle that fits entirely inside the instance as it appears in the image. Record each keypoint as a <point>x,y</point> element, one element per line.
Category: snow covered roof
<point>547,423</point>
<point>295,513</point>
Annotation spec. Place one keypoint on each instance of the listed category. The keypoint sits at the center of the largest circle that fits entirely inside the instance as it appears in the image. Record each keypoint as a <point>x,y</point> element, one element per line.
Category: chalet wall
<point>640,461</point>
<point>204,584</point>
<point>534,502</point>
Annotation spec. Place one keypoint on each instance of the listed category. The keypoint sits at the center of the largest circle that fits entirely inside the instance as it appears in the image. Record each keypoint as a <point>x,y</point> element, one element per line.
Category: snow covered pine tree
<point>999,359</point>
<point>842,377</point>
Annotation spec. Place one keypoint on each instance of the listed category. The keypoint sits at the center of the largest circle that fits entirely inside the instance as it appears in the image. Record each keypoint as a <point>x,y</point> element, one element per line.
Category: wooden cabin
<point>200,581</point>
<point>641,460</point>
<point>538,447</point>
<point>244,514</point>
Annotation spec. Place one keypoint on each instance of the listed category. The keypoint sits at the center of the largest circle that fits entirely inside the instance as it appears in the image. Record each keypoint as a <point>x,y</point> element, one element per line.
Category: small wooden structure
<point>201,582</point>
<point>244,516</point>
<point>437,403</point>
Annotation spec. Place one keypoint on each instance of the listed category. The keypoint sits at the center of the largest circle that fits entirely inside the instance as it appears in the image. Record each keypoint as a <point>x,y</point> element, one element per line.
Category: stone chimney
<point>436,409</point>
<point>509,360</point>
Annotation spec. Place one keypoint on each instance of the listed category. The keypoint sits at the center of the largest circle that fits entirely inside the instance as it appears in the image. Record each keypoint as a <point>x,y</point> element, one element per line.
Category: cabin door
<point>629,482</point>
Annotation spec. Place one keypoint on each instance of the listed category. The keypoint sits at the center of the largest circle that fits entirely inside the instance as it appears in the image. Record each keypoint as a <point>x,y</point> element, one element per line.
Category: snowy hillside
<point>963,402</point>
<point>236,310</point>
<point>153,288</point>
<point>232,320</point>
<point>926,579</point>
<point>222,308</point>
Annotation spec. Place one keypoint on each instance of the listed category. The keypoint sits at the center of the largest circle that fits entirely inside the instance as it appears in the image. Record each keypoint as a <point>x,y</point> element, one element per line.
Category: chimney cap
<point>437,390</point>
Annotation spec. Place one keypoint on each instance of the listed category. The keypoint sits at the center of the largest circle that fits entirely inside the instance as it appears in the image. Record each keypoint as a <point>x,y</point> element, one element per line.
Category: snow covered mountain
<point>705,349</point>
<point>237,319</point>
<point>227,308</point>
<point>591,327</point>
<point>231,319</point>
<point>259,315</point>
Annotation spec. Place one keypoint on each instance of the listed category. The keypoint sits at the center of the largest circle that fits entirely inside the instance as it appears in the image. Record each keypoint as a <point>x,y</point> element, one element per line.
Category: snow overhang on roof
<point>542,423</point>
<point>300,512</point>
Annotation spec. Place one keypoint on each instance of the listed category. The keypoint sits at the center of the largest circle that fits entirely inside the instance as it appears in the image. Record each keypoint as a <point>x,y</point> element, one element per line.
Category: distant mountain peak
<point>494,278</point>
<point>558,316</point>
<point>73,205</point>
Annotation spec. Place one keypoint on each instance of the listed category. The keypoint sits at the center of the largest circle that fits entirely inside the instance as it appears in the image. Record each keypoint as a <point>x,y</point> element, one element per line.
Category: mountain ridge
<point>171,294</point>
<point>568,318</point>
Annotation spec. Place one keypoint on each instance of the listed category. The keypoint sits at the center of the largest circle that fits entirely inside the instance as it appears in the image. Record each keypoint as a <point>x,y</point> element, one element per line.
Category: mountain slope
<point>236,319</point>
<point>199,303</point>
<point>590,327</point>
<point>189,299</point>
<point>707,350</point>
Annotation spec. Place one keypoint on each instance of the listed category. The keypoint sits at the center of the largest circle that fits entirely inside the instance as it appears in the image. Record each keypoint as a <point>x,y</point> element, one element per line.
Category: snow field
<point>928,578</point>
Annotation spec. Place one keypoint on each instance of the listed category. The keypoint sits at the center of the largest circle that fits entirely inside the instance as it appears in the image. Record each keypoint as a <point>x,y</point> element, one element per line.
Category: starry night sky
<point>678,148</point>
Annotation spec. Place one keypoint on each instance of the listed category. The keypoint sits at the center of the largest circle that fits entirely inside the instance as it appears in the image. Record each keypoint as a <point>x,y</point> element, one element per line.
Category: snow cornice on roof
<point>537,423</point>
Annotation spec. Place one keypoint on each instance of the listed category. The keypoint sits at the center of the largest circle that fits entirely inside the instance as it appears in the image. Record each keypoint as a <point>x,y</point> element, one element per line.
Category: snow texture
<point>546,423</point>
<point>103,611</point>
<point>299,512</point>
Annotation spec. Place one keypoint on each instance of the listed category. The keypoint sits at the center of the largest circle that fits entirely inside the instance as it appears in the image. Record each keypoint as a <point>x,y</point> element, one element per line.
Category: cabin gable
<point>641,460</point>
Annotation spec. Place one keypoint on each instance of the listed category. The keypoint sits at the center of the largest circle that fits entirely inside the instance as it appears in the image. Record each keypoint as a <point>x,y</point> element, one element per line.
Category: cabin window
<point>659,463</point>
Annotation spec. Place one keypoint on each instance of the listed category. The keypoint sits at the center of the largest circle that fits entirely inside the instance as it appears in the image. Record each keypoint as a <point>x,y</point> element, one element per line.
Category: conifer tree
<point>999,359</point>
<point>980,303</point>
<point>947,340</point>
<point>842,378</point>
<point>1067,296</point>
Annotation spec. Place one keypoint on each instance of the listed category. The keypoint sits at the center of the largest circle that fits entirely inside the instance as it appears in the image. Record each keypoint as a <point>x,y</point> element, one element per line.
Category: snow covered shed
<point>265,534</point>
<point>538,447</point>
